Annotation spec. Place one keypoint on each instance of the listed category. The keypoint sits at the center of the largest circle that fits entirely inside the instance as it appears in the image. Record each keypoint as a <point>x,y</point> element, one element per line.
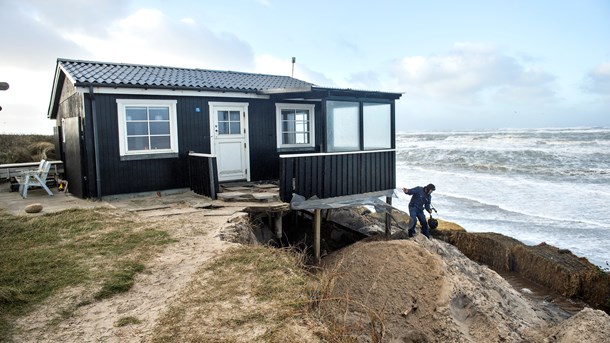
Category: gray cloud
<point>67,15</point>
<point>148,36</point>
<point>41,31</point>
<point>470,73</point>
<point>29,43</point>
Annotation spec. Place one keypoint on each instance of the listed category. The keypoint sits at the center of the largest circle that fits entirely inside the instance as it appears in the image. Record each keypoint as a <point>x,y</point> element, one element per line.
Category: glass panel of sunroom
<point>377,126</point>
<point>343,120</point>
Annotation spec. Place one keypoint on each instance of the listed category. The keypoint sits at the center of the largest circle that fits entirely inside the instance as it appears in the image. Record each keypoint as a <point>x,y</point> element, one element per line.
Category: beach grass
<point>257,291</point>
<point>43,255</point>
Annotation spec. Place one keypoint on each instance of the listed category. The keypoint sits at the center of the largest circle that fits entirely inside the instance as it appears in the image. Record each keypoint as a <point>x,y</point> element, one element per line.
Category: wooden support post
<point>388,218</point>
<point>317,221</point>
<point>277,224</point>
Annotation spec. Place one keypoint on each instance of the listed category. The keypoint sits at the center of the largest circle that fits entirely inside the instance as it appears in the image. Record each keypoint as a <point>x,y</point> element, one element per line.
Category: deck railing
<point>327,175</point>
<point>203,174</point>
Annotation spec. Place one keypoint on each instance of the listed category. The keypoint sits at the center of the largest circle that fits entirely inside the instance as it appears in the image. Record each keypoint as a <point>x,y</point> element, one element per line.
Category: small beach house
<point>125,128</point>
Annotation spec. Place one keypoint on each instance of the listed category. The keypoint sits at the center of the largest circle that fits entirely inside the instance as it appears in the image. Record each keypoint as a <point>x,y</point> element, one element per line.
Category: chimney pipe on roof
<point>294,59</point>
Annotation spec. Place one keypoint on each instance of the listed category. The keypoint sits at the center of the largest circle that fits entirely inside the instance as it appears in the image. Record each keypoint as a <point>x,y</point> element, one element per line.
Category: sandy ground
<point>415,290</point>
<point>196,232</point>
<point>421,290</point>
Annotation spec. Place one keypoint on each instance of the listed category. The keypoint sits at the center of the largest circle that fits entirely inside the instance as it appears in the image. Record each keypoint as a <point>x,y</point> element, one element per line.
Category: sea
<point>535,185</point>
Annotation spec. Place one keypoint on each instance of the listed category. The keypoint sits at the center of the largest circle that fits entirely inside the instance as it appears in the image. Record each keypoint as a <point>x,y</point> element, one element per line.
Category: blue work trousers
<point>418,215</point>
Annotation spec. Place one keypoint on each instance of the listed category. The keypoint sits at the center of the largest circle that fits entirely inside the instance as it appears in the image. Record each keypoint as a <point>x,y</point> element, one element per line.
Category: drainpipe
<point>96,144</point>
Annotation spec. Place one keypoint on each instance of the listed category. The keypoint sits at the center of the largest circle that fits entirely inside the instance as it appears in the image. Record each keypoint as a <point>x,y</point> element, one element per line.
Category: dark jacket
<point>419,199</point>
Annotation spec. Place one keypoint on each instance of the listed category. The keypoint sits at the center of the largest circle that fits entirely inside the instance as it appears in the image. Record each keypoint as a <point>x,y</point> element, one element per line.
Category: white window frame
<point>173,127</point>
<point>278,117</point>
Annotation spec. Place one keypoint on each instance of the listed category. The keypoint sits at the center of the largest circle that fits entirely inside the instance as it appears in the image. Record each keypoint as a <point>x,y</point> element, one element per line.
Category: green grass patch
<point>41,255</point>
<point>120,280</point>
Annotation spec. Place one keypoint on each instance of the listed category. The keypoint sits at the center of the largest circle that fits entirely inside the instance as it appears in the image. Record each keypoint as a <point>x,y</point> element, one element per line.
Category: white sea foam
<point>549,185</point>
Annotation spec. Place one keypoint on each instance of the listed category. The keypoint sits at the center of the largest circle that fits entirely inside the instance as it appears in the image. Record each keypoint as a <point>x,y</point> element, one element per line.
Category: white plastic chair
<point>33,178</point>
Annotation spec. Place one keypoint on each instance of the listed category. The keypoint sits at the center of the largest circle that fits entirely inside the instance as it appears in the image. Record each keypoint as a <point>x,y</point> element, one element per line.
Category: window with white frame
<point>295,125</point>
<point>147,126</point>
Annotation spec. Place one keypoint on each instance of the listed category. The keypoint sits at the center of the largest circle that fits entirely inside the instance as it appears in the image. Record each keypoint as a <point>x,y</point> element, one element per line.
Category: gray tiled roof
<point>131,75</point>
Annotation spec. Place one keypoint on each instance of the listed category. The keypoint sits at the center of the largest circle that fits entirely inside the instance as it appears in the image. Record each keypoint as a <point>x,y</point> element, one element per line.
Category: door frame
<point>72,148</point>
<point>243,107</point>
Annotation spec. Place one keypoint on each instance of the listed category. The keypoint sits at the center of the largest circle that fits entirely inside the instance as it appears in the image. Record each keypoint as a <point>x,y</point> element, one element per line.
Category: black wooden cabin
<point>124,128</point>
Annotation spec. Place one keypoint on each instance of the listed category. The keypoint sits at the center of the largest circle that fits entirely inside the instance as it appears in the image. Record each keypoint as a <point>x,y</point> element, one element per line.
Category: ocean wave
<point>516,215</point>
<point>537,162</point>
<point>517,138</point>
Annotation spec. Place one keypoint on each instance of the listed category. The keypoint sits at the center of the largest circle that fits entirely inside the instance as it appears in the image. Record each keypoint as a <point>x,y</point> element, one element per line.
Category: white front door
<point>229,122</point>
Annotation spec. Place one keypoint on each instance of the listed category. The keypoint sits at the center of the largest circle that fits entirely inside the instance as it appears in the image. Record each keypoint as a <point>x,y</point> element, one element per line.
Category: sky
<point>461,65</point>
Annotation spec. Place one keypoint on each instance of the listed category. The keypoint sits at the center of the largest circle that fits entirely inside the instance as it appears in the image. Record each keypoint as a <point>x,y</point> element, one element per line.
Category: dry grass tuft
<point>248,294</point>
<point>335,329</point>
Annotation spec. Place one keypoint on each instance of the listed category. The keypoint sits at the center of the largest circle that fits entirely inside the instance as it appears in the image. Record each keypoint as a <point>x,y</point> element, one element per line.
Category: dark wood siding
<point>134,176</point>
<point>264,157</point>
<point>332,175</point>
<point>146,175</point>
<point>203,173</point>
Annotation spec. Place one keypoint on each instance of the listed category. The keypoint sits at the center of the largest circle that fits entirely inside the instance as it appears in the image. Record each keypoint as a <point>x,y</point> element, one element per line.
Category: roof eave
<point>361,93</point>
<point>54,101</point>
<point>123,85</point>
<point>286,90</point>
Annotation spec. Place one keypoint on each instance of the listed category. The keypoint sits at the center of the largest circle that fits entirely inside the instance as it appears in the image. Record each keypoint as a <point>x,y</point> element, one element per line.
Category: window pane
<point>302,115</point>
<point>159,128</point>
<point>159,142</point>
<point>234,128</point>
<point>137,128</point>
<point>136,113</point>
<point>223,128</point>
<point>302,138</point>
<point>377,126</point>
<point>223,115</point>
<point>300,127</point>
<point>343,120</point>
<point>288,126</point>
<point>137,143</point>
<point>158,113</point>
<point>234,115</point>
<point>288,138</point>
<point>287,114</point>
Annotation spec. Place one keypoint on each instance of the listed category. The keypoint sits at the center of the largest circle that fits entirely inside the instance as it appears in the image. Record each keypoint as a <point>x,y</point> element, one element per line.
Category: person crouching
<point>420,200</point>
